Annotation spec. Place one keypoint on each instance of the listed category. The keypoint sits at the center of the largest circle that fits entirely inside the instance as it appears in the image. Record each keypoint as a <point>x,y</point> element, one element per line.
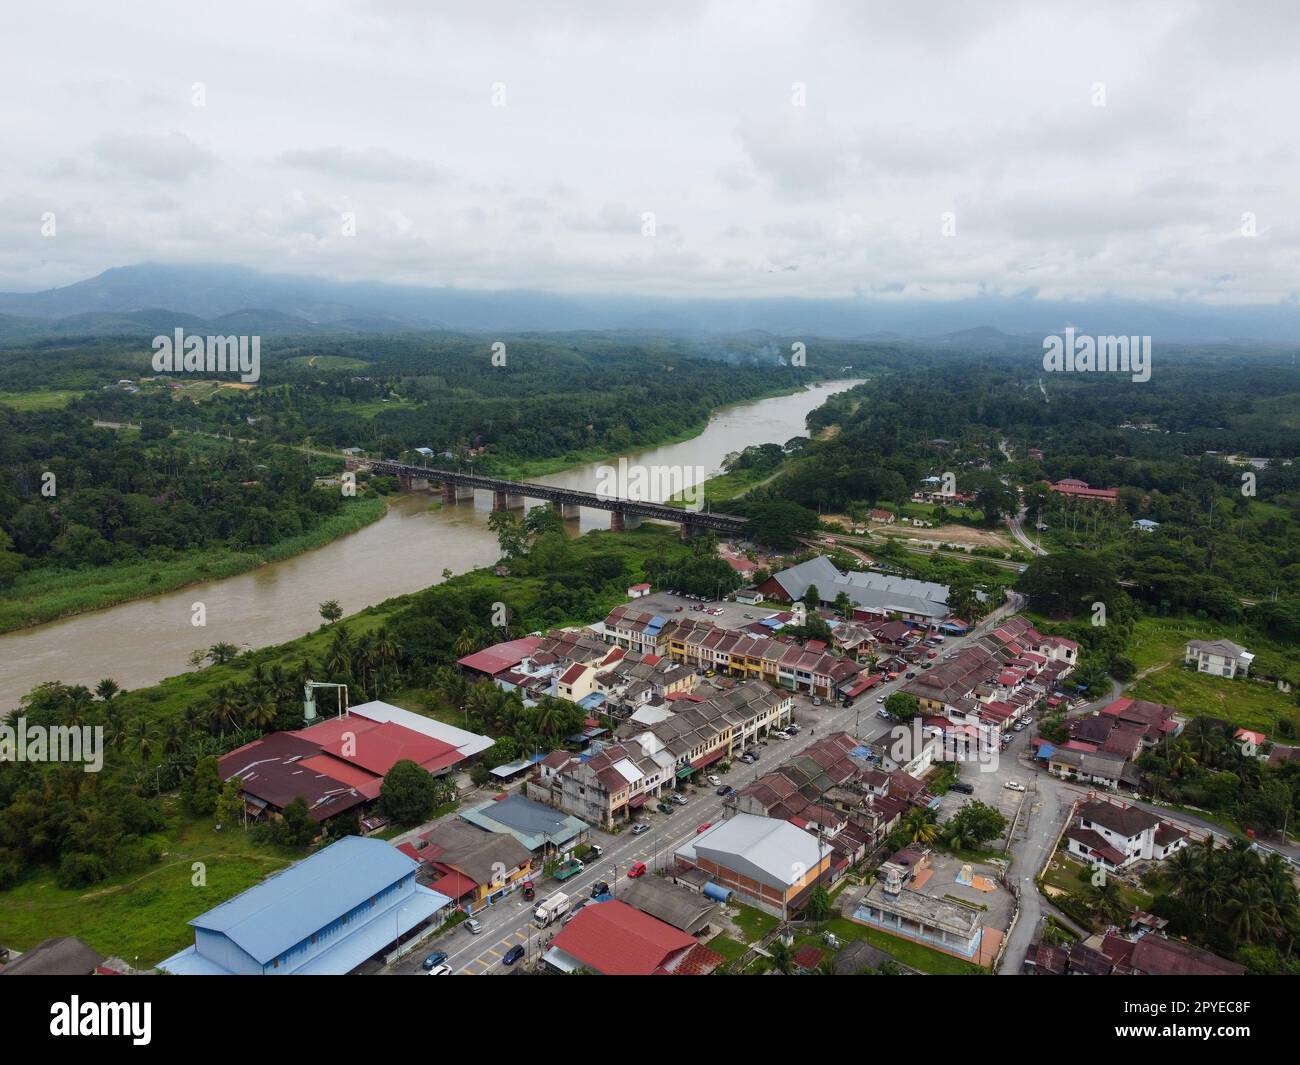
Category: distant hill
<point>279,303</point>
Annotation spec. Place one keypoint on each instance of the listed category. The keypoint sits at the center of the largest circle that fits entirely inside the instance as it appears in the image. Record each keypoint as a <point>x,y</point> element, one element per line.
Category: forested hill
<point>1176,447</point>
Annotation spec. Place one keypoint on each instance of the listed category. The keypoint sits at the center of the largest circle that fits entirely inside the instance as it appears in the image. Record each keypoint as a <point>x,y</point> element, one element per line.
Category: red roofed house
<point>500,657</point>
<point>1076,489</point>
<point>615,939</point>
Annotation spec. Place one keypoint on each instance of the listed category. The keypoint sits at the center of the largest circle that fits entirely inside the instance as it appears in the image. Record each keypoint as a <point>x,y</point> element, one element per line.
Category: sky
<point>752,149</point>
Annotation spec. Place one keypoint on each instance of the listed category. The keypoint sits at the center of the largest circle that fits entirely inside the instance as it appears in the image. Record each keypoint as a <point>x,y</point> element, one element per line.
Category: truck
<point>568,868</point>
<point>551,908</point>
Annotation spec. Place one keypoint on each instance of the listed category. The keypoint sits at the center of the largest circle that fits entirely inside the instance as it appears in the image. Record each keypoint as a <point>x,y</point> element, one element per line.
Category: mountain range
<point>151,298</point>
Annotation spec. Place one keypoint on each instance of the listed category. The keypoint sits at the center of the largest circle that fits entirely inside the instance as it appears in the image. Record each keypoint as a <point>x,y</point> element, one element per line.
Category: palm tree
<point>466,643</point>
<point>107,688</point>
<point>139,737</point>
<point>173,736</point>
<point>260,709</point>
<point>919,825</point>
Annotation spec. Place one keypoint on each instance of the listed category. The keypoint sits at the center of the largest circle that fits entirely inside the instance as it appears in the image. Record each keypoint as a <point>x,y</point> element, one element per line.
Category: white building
<point>1223,658</point>
<point>1115,836</point>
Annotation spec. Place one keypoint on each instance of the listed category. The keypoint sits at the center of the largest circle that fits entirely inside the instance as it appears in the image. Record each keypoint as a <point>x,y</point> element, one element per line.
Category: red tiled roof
<point>616,939</point>
<point>501,656</point>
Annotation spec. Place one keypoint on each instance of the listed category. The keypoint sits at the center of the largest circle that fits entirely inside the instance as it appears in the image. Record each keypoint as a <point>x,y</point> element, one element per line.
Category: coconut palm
<point>107,689</point>
<point>919,825</point>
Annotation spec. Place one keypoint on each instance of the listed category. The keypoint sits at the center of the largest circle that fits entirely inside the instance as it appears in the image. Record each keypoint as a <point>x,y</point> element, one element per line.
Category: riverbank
<point>143,912</point>
<point>46,595</point>
<point>523,471</point>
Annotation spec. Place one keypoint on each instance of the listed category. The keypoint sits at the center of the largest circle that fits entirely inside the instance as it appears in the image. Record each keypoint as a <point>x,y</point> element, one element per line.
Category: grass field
<point>45,595</point>
<point>143,916</point>
<point>49,400</point>
<point>1158,646</point>
<point>1246,703</point>
<point>327,362</point>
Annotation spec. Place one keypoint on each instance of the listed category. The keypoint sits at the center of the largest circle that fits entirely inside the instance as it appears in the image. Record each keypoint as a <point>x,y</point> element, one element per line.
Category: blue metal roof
<point>1046,751</point>
<point>289,906</point>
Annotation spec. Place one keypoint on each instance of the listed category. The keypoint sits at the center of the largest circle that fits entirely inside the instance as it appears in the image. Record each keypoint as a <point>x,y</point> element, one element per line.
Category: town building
<point>770,862</point>
<point>1073,488</point>
<point>324,915</point>
<point>922,602</point>
<point>614,939</point>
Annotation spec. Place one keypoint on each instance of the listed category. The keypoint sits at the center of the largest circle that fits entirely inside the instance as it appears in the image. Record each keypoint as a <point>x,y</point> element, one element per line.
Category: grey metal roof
<point>870,591</point>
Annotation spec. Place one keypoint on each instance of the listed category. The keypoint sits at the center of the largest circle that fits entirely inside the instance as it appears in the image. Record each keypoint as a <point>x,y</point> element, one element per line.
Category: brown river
<point>146,640</point>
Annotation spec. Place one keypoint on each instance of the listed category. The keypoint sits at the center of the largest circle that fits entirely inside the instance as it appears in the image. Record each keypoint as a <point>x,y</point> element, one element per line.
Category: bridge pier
<point>566,510</point>
<point>455,493</point>
<point>616,521</point>
<point>506,501</point>
<point>686,532</point>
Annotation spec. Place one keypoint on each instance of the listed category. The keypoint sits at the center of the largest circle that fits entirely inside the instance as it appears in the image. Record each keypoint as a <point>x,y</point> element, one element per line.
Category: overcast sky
<point>688,111</point>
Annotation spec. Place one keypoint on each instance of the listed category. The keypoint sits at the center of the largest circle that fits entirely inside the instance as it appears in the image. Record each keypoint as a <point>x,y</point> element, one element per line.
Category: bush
<point>80,870</point>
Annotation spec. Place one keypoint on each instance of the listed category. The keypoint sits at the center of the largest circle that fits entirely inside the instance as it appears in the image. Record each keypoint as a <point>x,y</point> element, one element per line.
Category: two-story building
<point>1116,836</point>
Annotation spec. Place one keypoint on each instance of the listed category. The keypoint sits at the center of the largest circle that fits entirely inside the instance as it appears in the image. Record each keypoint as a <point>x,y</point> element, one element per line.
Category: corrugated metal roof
<point>285,909</point>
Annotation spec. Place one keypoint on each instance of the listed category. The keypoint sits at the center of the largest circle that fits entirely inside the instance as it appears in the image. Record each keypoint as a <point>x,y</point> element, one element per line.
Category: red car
<point>707,824</point>
<point>638,869</point>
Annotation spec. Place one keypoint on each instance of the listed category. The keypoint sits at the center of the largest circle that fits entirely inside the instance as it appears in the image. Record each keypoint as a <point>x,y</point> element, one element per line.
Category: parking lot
<point>732,616</point>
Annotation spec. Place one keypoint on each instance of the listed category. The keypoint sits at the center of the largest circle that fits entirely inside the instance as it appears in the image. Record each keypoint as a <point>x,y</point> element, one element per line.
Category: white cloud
<point>683,109</point>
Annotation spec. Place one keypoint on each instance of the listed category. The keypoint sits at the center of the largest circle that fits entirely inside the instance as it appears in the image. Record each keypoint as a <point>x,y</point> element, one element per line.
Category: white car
<point>880,698</point>
<point>715,780</point>
<point>1013,785</point>
<point>440,970</point>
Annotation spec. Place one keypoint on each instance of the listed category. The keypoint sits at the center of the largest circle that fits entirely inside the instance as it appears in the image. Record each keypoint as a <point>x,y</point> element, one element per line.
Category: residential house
<point>1116,835</point>
<point>1223,658</point>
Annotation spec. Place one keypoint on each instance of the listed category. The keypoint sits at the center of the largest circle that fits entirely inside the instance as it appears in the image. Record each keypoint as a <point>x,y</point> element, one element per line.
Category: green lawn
<point>727,947</point>
<point>754,923</point>
<point>144,915</point>
<point>52,399</point>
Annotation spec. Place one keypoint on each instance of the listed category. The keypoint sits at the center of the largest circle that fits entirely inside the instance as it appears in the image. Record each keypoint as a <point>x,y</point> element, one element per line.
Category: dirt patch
<point>948,534</point>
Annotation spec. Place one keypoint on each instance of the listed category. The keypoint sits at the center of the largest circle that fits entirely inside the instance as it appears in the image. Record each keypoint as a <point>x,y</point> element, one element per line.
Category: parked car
<point>793,727</point>
<point>817,700</point>
<point>704,827</point>
<point>530,891</point>
<point>880,698</point>
<point>911,674</point>
<point>434,960</point>
<point>1013,785</point>
<point>663,808</point>
<point>513,955</point>
<point>639,828</point>
<point>439,970</point>
<point>600,887</point>
<point>961,787</point>
<point>883,714</point>
<point>726,789</point>
<point>638,869</point>
<point>714,779</point>
<point>474,927</point>
<point>749,617</point>
<point>748,759</point>
<point>679,799</point>
<point>574,912</point>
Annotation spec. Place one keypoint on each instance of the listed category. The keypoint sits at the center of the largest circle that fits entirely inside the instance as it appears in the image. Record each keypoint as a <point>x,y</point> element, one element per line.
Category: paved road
<point>509,922</point>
